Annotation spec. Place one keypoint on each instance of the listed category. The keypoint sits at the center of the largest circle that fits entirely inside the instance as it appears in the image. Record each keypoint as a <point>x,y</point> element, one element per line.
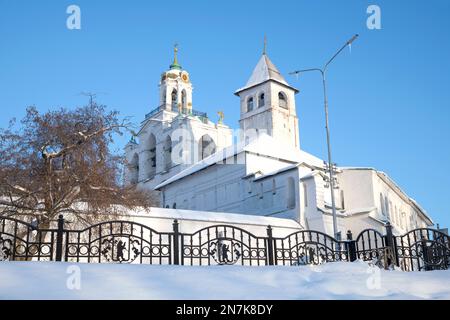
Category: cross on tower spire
<point>265,45</point>
<point>175,64</point>
<point>175,51</point>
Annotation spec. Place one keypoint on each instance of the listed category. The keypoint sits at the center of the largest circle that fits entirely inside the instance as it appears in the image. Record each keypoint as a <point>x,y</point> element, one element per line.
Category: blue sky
<point>389,97</point>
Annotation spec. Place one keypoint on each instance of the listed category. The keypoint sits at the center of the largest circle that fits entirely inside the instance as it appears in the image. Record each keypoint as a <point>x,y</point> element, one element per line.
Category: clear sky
<point>389,97</point>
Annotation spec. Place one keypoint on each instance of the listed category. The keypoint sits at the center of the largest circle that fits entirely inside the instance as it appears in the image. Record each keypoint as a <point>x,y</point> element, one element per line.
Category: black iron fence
<point>131,242</point>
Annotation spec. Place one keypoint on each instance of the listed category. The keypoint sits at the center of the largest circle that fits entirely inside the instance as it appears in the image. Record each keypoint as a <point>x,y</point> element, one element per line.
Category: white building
<point>266,173</point>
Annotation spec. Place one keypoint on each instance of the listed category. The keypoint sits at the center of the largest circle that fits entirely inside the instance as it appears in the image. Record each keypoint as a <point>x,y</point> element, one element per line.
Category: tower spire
<point>175,64</point>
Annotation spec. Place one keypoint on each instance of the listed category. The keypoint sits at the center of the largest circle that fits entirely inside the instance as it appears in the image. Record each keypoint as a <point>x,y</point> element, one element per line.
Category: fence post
<point>390,243</point>
<point>176,236</point>
<point>59,238</point>
<point>269,246</point>
<point>351,247</point>
<point>425,253</point>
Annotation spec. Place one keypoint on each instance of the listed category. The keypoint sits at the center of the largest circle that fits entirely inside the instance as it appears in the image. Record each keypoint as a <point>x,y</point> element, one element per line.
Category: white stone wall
<point>230,188</point>
<point>216,188</point>
<point>161,220</point>
<point>364,188</point>
<point>191,221</point>
<point>358,186</point>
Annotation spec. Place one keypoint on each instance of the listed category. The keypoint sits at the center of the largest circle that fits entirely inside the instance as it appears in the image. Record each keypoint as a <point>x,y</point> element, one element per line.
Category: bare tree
<point>60,162</point>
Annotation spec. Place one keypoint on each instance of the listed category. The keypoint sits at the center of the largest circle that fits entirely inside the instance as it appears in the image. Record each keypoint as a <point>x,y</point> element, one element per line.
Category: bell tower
<point>268,103</point>
<point>175,87</point>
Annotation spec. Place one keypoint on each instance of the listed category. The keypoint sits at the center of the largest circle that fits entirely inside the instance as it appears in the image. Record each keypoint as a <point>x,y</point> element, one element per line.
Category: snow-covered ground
<point>357,280</point>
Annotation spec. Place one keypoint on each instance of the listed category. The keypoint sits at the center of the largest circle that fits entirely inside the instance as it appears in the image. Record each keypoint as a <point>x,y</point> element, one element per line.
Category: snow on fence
<point>123,241</point>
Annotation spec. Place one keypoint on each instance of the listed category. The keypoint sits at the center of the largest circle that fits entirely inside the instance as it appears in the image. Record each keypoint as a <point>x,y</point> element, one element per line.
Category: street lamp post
<point>323,72</point>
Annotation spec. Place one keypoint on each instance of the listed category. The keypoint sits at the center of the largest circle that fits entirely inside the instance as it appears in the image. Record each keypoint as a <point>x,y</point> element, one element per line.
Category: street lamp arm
<point>306,70</point>
<point>324,69</point>
<point>349,42</point>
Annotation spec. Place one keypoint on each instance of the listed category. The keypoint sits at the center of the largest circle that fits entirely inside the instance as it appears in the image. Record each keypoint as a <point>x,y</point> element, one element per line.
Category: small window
<point>305,195</point>
<point>250,104</point>
<point>282,100</point>
<point>261,100</point>
<point>274,186</point>
<point>342,200</point>
<point>387,208</point>
<point>261,190</point>
<point>383,212</point>
<point>290,193</point>
<point>249,186</point>
<point>174,206</point>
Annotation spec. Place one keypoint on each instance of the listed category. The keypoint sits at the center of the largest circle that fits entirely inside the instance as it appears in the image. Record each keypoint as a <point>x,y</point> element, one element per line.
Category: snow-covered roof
<point>263,145</point>
<point>216,217</point>
<point>291,167</point>
<point>275,148</point>
<point>313,174</point>
<point>265,70</point>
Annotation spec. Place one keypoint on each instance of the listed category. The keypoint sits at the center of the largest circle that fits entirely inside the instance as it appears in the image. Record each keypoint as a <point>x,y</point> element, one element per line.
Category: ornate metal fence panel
<point>423,249</point>
<point>370,245</point>
<point>120,242</point>
<point>21,241</point>
<point>129,242</point>
<point>309,247</point>
<point>223,245</point>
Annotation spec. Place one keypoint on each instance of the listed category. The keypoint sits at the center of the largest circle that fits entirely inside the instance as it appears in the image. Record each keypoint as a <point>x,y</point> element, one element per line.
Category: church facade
<point>195,164</point>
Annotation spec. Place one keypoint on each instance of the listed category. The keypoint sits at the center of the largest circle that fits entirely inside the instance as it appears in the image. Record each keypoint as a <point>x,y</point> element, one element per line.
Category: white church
<point>201,168</point>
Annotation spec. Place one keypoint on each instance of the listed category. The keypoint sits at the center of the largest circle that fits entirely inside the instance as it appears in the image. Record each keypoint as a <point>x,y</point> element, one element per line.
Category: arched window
<point>249,104</point>
<point>174,99</point>
<point>282,100</point>
<point>134,169</point>
<point>206,146</point>
<point>261,100</point>
<point>183,100</point>
<point>167,153</point>
<point>152,156</point>
<point>290,193</point>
